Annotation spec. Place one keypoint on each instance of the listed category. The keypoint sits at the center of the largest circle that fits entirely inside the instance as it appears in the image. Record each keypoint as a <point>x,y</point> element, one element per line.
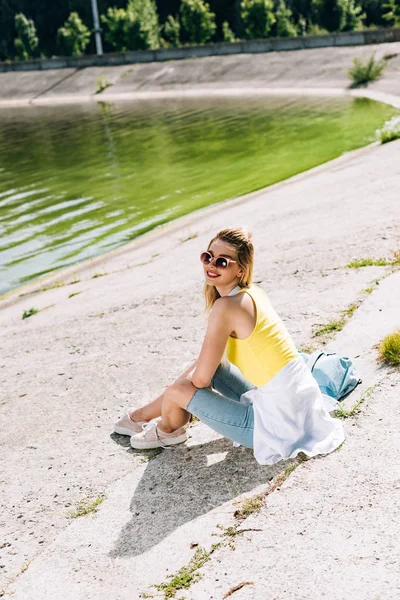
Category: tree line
<point>43,28</point>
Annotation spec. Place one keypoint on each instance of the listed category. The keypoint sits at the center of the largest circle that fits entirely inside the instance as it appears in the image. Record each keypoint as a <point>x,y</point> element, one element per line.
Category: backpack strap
<point>313,358</point>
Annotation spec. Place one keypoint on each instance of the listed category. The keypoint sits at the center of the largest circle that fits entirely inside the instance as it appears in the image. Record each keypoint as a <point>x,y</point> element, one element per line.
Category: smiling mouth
<point>212,275</point>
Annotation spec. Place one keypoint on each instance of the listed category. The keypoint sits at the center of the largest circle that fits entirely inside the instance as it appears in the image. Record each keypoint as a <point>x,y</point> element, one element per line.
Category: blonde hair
<point>240,239</point>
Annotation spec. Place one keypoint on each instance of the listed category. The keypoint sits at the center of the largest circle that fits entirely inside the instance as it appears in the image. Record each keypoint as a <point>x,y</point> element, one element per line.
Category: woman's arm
<point>187,372</point>
<point>218,331</point>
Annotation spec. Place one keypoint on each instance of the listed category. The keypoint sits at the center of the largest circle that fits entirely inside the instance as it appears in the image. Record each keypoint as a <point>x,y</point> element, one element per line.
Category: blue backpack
<point>335,375</point>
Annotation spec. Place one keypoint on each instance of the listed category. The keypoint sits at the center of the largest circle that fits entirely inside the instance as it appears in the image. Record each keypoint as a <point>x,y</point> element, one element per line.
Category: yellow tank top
<point>267,349</point>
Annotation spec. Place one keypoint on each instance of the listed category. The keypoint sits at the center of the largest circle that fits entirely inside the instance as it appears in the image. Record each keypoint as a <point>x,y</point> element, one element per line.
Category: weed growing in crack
<point>368,290</point>
<point>187,574</point>
<point>255,504</point>
<point>339,447</point>
<point>86,506</point>
<point>54,285</point>
<point>368,262</point>
<point>28,313</point>
<point>344,413</point>
<point>33,311</point>
<point>307,348</point>
<point>348,312</point>
<point>229,534</point>
<point>330,327</point>
<point>102,84</point>
<point>249,506</point>
<point>192,236</point>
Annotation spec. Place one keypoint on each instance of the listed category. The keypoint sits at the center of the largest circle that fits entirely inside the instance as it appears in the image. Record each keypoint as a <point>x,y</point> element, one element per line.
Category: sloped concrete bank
<point>322,70</point>
<point>67,372</point>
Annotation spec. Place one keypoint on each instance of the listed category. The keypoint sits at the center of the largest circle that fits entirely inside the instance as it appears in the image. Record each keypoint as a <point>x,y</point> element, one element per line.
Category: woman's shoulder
<point>241,302</point>
<point>238,299</point>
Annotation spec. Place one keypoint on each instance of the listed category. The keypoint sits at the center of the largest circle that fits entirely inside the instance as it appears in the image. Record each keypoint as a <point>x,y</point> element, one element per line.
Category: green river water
<point>77,181</point>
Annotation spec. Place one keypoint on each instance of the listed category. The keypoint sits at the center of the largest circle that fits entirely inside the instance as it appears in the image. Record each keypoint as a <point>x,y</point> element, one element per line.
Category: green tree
<point>227,33</point>
<point>27,41</point>
<point>284,26</point>
<point>116,23</point>
<point>258,18</point>
<point>172,29</point>
<point>338,15</point>
<point>302,14</point>
<point>73,36</point>
<point>352,15</point>
<point>391,13</point>
<point>135,27</point>
<point>197,21</point>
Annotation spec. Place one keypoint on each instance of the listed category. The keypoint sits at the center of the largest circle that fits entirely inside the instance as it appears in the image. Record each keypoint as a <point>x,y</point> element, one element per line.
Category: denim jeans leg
<point>232,419</point>
<point>229,381</point>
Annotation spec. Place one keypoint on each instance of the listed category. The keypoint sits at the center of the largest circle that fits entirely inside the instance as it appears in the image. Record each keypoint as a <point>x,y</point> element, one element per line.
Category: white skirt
<point>291,416</point>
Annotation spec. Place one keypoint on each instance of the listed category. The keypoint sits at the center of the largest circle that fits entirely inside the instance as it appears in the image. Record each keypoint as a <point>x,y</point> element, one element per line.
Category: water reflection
<point>78,180</point>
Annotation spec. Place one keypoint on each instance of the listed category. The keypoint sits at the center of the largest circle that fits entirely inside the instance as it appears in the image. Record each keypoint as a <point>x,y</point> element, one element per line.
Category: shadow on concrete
<point>184,483</point>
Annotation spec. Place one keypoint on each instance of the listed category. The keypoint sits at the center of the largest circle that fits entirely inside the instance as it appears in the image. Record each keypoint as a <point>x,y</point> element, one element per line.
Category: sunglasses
<point>220,262</point>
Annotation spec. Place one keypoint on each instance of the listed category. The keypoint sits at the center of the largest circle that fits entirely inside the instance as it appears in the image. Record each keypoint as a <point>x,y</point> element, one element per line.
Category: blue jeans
<point>223,411</point>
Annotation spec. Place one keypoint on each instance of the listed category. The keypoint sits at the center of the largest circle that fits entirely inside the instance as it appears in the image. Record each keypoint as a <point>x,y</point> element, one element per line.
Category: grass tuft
<point>330,327</point>
<point>389,348</point>
<point>290,469</point>
<point>348,312</point>
<point>368,262</point>
<point>188,574</point>
<point>54,285</point>
<point>368,290</point>
<point>86,506</point>
<point>102,84</point>
<point>307,348</point>
<point>250,506</point>
<point>396,258</point>
<point>343,413</point>
<point>364,71</point>
<point>28,313</point>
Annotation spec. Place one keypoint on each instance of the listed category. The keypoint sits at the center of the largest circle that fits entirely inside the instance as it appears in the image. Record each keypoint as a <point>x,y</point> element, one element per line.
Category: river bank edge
<point>323,75</point>
<point>61,276</point>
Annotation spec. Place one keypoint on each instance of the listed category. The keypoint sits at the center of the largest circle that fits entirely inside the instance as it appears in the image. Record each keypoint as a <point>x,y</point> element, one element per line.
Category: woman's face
<point>221,277</point>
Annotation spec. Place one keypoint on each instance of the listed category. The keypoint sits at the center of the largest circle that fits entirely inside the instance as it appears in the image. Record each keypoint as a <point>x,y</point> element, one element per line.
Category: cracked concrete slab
<point>329,531</point>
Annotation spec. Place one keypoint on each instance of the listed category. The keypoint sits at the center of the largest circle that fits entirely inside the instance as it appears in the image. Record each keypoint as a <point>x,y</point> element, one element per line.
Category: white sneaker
<point>126,426</point>
<point>153,437</point>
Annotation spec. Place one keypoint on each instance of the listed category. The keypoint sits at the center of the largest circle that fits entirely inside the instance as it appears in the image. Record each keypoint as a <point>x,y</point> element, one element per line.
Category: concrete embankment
<point>317,71</point>
<point>103,344</point>
<point>69,371</point>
